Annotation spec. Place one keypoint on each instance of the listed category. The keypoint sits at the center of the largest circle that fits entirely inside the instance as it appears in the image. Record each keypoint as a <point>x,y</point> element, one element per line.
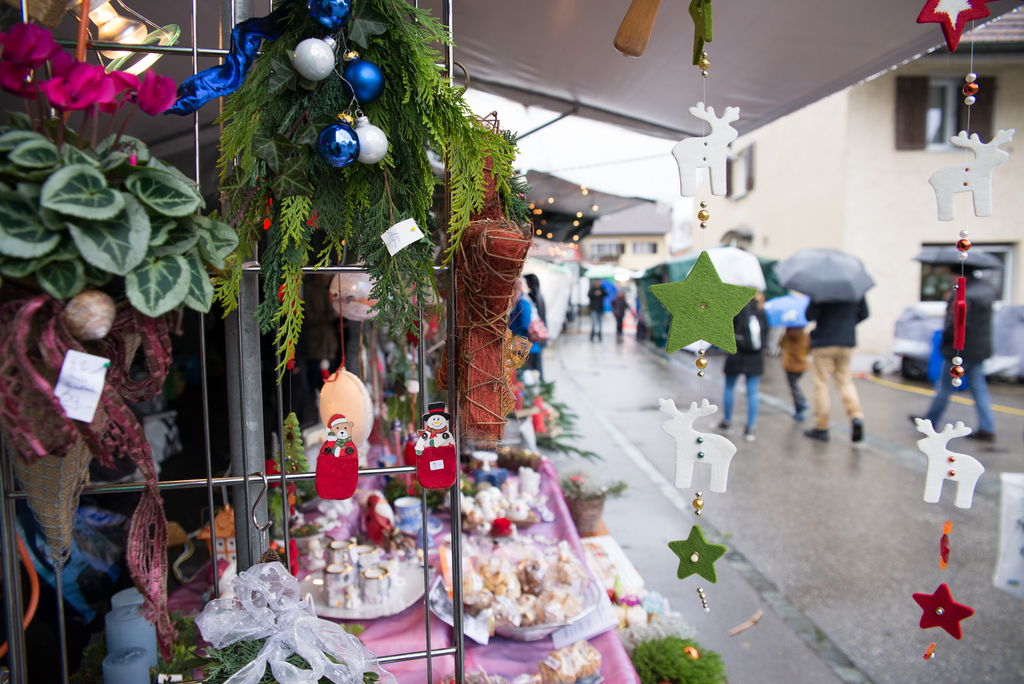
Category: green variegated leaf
<point>96,276</point>
<point>117,245</point>
<point>52,220</point>
<point>127,145</point>
<point>366,24</point>
<point>232,185</point>
<point>163,193</point>
<point>19,121</point>
<point>292,179</point>
<point>181,238</point>
<point>20,268</point>
<point>11,139</point>
<point>61,279</point>
<point>217,240</point>
<point>29,191</point>
<point>21,233</point>
<point>200,290</point>
<point>161,230</point>
<point>34,154</point>
<point>273,150</point>
<point>161,165</point>
<point>113,161</point>
<point>158,285</point>
<point>73,155</point>
<point>282,76</point>
<point>81,191</point>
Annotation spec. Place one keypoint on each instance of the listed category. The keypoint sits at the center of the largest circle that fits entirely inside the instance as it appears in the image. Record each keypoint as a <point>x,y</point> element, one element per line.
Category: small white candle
<point>127,628</point>
<point>126,597</point>
<point>126,666</point>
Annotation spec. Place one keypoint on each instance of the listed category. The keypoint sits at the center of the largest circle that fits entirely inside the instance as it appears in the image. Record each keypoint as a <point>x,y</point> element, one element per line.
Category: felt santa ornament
<point>337,466</point>
<point>380,518</point>
<point>436,462</point>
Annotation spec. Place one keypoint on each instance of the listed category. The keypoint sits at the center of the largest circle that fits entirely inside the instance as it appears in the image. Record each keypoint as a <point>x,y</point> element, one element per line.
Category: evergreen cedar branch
<point>271,126</point>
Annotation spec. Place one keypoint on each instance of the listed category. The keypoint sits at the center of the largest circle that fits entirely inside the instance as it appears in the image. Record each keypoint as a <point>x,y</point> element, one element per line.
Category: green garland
<point>220,664</point>
<point>272,123</point>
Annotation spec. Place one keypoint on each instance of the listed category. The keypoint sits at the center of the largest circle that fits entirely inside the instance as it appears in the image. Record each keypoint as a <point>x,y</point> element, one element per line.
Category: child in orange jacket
<point>795,345</point>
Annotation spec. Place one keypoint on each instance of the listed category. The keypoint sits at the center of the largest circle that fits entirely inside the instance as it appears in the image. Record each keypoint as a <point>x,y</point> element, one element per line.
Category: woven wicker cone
<point>46,12</point>
<point>586,513</point>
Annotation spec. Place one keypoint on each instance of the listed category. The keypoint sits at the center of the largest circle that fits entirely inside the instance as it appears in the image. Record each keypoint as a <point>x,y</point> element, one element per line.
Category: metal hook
<point>465,71</point>
<point>263,494</point>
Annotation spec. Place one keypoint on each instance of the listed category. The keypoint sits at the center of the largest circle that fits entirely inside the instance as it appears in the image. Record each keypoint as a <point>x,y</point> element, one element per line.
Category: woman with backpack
<point>525,322</point>
<point>751,328</point>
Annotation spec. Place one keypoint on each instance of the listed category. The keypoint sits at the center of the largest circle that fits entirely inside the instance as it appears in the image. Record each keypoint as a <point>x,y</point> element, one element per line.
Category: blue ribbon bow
<point>225,79</point>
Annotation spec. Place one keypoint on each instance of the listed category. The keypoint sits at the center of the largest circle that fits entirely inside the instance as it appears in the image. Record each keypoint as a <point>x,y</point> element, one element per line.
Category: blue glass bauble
<point>338,145</point>
<point>332,14</point>
<point>366,78</point>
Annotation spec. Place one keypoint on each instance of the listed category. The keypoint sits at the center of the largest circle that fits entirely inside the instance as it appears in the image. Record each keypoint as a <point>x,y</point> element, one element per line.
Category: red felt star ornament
<point>940,610</point>
<point>953,15</point>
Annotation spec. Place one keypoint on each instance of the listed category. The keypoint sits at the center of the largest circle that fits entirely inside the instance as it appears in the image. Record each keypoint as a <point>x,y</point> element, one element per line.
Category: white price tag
<point>401,235</point>
<point>437,465</point>
<point>80,384</point>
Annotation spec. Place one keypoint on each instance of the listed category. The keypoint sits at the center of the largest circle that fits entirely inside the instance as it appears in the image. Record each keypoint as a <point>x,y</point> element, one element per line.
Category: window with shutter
<point>982,111</point>
<point>750,167</point>
<point>911,112</point>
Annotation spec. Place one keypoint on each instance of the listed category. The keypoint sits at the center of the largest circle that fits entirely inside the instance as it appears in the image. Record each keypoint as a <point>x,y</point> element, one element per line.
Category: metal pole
<point>209,461</point>
<point>245,417</point>
<point>286,521</point>
<point>12,571</point>
<point>421,376</point>
<point>61,624</point>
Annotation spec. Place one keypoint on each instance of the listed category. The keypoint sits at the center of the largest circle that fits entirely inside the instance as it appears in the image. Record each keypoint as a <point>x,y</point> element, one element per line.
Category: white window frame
<point>638,243</point>
<point>951,112</point>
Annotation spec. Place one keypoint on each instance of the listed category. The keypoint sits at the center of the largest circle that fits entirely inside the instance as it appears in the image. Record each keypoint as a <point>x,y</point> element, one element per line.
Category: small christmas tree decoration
<point>338,144</point>
<point>697,556</point>
<point>708,152</point>
<point>363,79</point>
<point>436,463</point>
<point>314,58</point>
<point>953,15</point>
<point>946,465</point>
<point>974,176</point>
<point>373,144</point>
<point>944,545</point>
<point>694,447</point>
<point>700,11</point>
<point>940,610</point>
<point>337,466</point>
<point>702,307</point>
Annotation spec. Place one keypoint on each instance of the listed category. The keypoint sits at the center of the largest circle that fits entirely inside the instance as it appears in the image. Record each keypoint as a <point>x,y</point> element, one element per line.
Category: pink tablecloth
<point>405,632</point>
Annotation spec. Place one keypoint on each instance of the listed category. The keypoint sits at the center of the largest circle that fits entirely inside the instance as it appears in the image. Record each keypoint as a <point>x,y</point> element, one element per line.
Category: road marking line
<point>931,393</point>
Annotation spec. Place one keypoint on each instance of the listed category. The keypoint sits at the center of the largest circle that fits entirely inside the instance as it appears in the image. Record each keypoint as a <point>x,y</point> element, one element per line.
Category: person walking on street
<point>519,320</point>
<point>619,311</point>
<point>977,347</point>
<point>832,343</point>
<point>537,299</point>
<point>750,326</point>
<point>795,344</point>
<point>597,295</point>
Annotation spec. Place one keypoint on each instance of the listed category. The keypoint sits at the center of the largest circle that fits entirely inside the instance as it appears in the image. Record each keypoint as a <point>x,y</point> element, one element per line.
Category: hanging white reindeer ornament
<point>943,464</point>
<point>694,447</point>
<point>708,152</point>
<point>974,176</point>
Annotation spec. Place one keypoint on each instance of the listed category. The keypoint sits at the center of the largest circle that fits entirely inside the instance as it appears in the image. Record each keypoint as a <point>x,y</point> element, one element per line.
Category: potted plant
<point>585,497</point>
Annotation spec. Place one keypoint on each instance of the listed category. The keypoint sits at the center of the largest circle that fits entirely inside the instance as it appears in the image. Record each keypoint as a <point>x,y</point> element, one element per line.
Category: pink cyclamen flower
<point>61,64</point>
<point>83,86</point>
<point>125,87</point>
<point>28,45</point>
<point>157,94</point>
<point>17,80</point>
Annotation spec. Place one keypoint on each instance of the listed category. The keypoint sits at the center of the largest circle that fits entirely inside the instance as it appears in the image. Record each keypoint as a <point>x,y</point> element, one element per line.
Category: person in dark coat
<point>832,343</point>
<point>597,294</point>
<point>619,311</point>
<point>977,347</point>
<point>751,328</point>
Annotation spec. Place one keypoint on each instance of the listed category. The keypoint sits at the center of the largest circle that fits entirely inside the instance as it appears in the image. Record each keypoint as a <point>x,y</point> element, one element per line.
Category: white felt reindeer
<point>697,447</point>
<point>943,464</point>
<point>709,152</point>
<point>974,176</point>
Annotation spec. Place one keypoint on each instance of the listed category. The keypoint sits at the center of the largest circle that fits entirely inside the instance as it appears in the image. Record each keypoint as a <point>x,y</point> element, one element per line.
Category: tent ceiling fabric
<point>767,58</point>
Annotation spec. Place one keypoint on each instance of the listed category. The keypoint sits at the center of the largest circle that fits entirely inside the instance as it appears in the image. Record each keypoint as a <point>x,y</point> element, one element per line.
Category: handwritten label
<point>80,384</point>
<point>437,465</point>
<point>401,235</point>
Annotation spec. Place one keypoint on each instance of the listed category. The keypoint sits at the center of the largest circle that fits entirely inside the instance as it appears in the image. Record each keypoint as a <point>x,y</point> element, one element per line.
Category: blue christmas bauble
<point>332,14</point>
<point>338,145</point>
<point>366,79</point>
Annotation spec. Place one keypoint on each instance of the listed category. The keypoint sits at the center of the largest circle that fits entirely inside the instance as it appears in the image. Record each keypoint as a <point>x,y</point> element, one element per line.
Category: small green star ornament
<point>700,10</point>
<point>702,307</point>
<point>697,556</point>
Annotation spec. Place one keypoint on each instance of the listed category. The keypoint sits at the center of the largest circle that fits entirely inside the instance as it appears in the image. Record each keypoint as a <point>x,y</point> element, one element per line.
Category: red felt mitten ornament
<point>436,461</point>
<point>337,467</point>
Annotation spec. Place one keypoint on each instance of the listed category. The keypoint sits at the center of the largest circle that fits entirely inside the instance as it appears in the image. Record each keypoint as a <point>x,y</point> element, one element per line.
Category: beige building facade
<point>635,238</point>
<point>830,175</point>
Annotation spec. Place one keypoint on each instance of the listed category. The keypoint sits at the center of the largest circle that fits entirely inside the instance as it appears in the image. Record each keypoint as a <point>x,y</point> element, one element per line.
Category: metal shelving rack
<point>245,410</point>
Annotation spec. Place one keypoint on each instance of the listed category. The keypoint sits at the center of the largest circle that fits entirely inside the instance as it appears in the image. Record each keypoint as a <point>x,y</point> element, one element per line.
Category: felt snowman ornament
<point>337,467</point>
<point>436,463</point>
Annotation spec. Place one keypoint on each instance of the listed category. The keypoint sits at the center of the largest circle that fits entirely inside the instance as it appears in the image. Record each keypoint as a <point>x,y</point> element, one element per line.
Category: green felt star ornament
<point>696,556</point>
<point>700,10</point>
<point>702,307</point>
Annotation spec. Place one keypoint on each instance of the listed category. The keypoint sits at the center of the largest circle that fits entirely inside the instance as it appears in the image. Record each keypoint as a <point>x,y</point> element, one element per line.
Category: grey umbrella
<point>948,255</point>
<point>825,275</point>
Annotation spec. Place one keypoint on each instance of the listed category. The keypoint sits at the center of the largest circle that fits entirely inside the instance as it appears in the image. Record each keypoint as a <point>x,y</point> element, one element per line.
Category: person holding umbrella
<point>836,283</point>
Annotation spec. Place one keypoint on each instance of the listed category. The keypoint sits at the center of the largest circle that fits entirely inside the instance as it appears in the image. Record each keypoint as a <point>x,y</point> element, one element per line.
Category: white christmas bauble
<point>373,144</point>
<point>314,59</point>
